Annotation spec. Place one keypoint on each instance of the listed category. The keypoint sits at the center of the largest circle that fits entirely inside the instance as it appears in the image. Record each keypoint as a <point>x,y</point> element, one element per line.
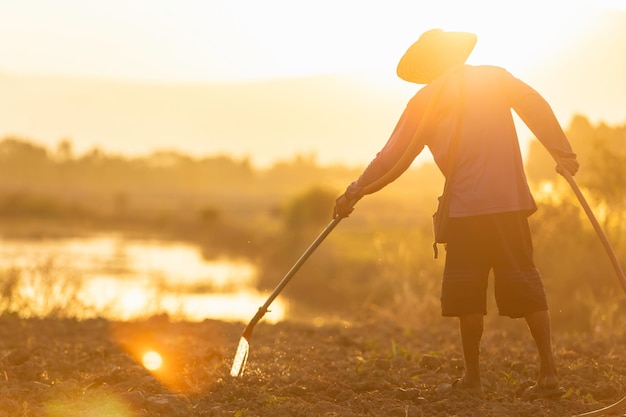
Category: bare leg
<point>539,325</point>
<point>471,327</point>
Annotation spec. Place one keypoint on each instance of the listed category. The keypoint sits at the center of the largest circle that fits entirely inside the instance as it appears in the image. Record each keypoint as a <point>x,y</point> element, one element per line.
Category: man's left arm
<point>537,114</point>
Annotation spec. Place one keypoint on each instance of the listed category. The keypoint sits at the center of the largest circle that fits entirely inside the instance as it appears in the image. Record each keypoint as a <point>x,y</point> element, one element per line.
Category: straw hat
<point>434,53</point>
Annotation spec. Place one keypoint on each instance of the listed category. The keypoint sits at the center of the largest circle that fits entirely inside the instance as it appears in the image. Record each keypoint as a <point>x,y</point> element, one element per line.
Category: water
<point>121,278</point>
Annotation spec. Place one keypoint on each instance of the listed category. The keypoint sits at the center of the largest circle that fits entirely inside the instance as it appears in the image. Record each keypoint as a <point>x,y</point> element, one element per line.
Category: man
<point>463,115</point>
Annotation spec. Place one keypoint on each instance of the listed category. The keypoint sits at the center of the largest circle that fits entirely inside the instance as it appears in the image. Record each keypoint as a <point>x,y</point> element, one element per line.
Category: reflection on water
<point>125,278</point>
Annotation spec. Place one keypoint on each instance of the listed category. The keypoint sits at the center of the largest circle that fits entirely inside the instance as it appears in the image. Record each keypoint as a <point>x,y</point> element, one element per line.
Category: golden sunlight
<point>93,402</point>
<point>547,187</point>
<point>565,51</point>
<point>522,36</point>
<point>125,301</point>
<point>547,191</point>
<point>152,360</point>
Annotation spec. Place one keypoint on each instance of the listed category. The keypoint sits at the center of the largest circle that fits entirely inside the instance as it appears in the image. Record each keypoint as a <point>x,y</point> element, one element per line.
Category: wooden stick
<point>621,404</point>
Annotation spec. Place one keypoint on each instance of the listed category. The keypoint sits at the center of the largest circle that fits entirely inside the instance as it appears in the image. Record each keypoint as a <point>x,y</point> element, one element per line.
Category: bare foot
<point>461,385</point>
<point>549,381</point>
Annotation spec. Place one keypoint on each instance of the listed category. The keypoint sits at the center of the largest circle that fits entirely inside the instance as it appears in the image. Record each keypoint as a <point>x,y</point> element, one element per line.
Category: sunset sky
<point>232,41</point>
<point>225,40</point>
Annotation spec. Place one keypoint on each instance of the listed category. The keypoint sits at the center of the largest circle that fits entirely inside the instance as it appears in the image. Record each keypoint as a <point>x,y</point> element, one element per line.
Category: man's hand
<point>344,206</point>
<point>569,165</point>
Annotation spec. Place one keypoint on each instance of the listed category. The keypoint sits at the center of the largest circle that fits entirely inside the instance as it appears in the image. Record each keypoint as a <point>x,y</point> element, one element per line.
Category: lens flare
<point>152,360</point>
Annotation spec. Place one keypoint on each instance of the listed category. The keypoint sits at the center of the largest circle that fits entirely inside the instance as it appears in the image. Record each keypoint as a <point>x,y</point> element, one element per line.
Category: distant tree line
<point>168,181</point>
<point>32,176</point>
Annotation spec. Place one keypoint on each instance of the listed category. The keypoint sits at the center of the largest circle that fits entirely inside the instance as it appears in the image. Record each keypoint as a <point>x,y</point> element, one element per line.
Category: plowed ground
<point>94,368</point>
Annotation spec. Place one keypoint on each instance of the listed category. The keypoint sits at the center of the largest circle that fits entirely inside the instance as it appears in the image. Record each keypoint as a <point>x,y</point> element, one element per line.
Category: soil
<point>65,367</point>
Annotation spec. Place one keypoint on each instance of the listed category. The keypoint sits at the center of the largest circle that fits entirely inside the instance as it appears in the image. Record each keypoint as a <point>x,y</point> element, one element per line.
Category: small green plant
<point>509,378</point>
<point>271,400</point>
<point>397,351</point>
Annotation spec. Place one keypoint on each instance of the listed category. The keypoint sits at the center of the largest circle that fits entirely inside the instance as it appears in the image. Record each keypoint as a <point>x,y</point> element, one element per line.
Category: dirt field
<point>93,368</point>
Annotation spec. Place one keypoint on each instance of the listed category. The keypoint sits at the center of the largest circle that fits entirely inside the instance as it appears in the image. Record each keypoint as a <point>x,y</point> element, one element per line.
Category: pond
<point>120,278</point>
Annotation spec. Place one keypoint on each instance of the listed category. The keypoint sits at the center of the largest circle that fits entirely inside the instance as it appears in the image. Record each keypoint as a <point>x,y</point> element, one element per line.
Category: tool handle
<point>263,309</point>
<point>598,229</point>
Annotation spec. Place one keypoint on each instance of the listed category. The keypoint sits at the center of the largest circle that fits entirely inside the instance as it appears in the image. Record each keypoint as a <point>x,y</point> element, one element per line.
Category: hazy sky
<point>566,49</point>
<point>213,40</point>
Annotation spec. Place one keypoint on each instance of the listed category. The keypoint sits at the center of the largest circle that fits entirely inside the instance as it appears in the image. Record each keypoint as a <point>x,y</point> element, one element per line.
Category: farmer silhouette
<point>463,115</point>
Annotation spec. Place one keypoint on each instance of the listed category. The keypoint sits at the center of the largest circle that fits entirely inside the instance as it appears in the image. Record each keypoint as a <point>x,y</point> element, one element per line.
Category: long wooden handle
<point>621,404</point>
<point>264,308</point>
<point>605,241</point>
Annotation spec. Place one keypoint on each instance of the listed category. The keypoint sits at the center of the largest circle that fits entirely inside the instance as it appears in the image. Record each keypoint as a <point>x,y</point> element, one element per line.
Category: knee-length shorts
<point>478,244</point>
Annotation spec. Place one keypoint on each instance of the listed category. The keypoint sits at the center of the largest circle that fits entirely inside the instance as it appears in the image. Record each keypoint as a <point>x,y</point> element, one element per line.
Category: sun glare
<point>548,192</point>
<point>152,360</point>
<point>517,36</point>
<point>547,187</point>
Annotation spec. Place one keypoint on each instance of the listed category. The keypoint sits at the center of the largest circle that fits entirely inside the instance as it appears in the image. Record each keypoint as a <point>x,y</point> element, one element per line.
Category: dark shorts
<point>476,245</point>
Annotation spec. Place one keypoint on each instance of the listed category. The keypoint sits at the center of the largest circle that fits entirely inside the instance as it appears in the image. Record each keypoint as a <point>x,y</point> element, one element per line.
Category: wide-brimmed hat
<point>434,53</point>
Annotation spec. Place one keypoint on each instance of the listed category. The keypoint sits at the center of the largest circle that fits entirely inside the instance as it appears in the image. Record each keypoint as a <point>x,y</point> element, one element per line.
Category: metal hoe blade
<point>241,357</point>
<point>243,350</point>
